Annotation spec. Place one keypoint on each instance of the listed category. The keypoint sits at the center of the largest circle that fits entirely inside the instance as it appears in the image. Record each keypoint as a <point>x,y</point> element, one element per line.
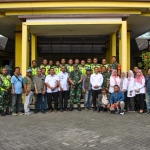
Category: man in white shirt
<point>51,82</point>
<point>63,88</point>
<point>96,81</point>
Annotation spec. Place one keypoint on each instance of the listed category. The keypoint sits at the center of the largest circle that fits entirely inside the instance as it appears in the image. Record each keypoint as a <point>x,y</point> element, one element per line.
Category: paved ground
<point>75,130</point>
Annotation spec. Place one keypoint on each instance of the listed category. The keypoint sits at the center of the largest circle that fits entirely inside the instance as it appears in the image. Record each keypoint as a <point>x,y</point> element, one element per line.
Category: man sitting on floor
<point>103,101</point>
<point>117,100</point>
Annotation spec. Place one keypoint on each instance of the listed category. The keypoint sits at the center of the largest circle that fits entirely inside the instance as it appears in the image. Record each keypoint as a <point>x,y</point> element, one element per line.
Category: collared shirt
<point>96,79</point>
<point>83,83</point>
<point>52,81</point>
<point>39,81</point>
<point>17,84</point>
<point>63,79</point>
<point>116,97</point>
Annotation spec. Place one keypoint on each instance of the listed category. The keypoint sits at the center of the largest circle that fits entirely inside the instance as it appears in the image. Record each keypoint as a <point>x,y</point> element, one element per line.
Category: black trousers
<point>53,96</point>
<point>132,103</point>
<point>63,96</point>
<point>95,94</point>
<point>141,100</point>
<point>125,100</point>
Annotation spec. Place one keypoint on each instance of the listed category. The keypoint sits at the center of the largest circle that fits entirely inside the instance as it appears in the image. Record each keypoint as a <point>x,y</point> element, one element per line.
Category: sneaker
<point>90,108</point>
<point>43,112</point>
<point>147,113</point>
<point>28,113</point>
<point>20,113</point>
<point>122,113</point>
<point>31,112</point>
<point>14,114</point>
<point>85,109</point>
<point>117,111</point>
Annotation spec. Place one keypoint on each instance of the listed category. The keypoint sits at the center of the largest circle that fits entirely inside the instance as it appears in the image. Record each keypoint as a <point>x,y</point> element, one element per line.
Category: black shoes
<point>71,108</point>
<point>79,108</point>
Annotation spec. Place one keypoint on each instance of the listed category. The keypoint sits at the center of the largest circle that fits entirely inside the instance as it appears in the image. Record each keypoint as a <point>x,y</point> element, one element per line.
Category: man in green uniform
<point>104,63</point>
<point>70,66</point>
<point>77,62</point>
<point>75,78</point>
<point>114,65</point>
<point>63,62</point>
<point>106,78</point>
<point>89,63</point>
<point>82,67</point>
<point>45,65</point>
<point>95,64</point>
<point>34,67</point>
<point>5,92</point>
<point>57,68</point>
<point>51,64</point>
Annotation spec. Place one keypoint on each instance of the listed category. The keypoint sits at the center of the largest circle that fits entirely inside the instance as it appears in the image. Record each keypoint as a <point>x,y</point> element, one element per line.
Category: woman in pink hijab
<point>139,89</point>
<point>114,80</point>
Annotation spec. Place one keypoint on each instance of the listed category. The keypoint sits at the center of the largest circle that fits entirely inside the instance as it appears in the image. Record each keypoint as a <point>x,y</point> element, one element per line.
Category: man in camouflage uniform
<point>75,78</point>
<point>106,78</point>
<point>89,63</point>
<point>82,67</point>
<point>70,66</point>
<point>114,65</point>
<point>57,68</point>
<point>104,63</point>
<point>95,64</point>
<point>5,92</point>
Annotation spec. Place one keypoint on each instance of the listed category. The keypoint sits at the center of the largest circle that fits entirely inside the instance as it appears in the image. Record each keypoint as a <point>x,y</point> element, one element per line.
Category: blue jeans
<point>45,102</point>
<point>148,101</point>
<point>88,99</point>
<point>39,102</point>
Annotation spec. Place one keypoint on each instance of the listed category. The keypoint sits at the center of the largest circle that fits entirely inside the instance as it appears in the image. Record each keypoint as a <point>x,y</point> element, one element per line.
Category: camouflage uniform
<point>106,77</point>
<point>5,95</point>
<point>93,66</point>
<point>113,66</point>
<point>88,66</point>
<point>75,90</point>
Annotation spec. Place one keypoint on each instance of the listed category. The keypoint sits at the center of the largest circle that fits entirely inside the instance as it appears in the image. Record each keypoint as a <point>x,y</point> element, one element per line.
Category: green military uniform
<point>93,66</point>
<point>47,67</point>
<point>88,65</point>
<point>106,77</point>
<point>69,68</point>
<point>57,69</point>
<point>34,71</point>
<point>5,95</point>
<point>82,69</point>
<point>114,66</point>
<point>75,90</point>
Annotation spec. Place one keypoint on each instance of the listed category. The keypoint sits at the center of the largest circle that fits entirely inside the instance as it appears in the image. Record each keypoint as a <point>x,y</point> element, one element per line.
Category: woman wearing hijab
<point>123,87</point>
<point>131,90</point>
<point>114,80</point>
<point>139,89</point>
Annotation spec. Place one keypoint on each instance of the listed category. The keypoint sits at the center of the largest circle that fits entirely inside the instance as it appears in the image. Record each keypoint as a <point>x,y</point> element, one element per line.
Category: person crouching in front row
<point>103,101</point>
<point>117,100</point>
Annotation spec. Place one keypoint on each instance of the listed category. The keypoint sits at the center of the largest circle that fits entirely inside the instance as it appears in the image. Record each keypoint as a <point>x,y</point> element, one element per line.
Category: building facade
<point>79,28</point>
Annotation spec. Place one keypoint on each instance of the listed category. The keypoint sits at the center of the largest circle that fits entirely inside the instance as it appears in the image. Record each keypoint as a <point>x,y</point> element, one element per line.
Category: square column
<point>33,47</point>
<point>123,47</point>
<point>128,48</point>
<point>25,49</point>
<point>18,46</point>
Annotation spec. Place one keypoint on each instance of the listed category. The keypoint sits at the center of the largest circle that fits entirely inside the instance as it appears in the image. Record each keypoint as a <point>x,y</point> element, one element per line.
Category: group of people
<point>103,85</point>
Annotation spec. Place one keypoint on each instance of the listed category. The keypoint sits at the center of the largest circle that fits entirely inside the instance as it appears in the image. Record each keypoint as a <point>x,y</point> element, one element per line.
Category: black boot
<point>98,109</point>
<point>71,108</point>
<point>2,113</point>
<point>79,108</point>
